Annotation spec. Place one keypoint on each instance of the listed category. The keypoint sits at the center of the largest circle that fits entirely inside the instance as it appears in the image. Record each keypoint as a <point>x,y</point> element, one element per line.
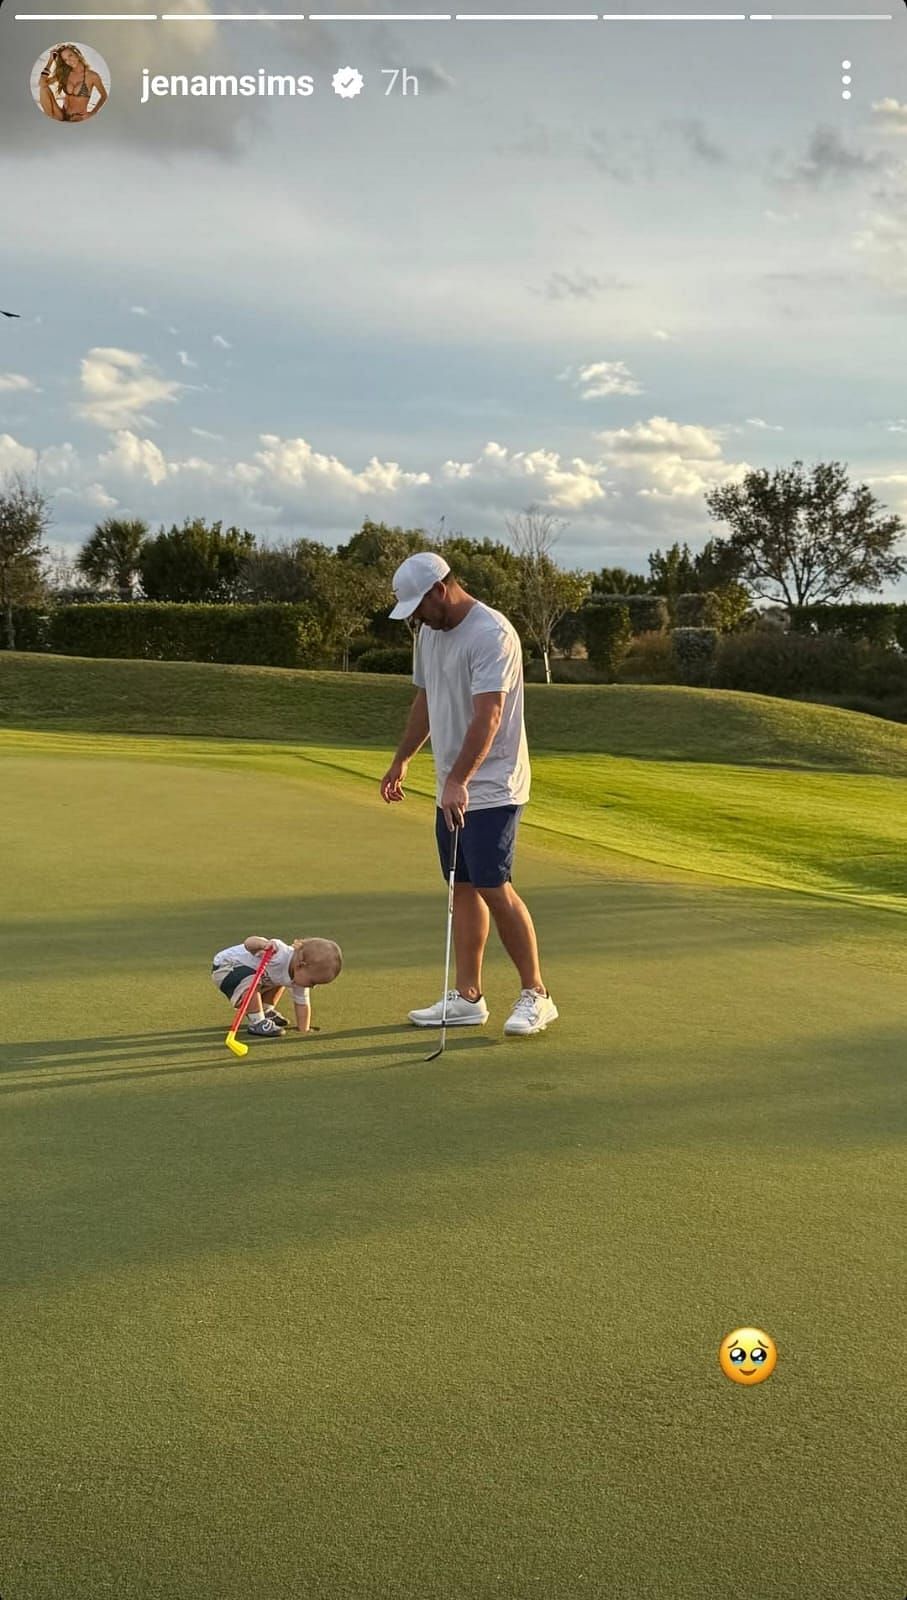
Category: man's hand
<point>392,782</point>
<point>454,801</point>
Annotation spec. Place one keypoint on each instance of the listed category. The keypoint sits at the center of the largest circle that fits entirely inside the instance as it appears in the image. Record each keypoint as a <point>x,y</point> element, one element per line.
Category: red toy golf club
<point>231,1041</point>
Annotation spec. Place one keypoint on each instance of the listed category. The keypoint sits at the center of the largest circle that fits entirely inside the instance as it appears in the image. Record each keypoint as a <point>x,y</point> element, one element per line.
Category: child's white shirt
<point>276,973</point>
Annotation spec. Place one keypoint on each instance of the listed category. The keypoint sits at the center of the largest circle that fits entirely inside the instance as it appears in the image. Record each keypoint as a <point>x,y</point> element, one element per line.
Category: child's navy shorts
<point>485,846</point>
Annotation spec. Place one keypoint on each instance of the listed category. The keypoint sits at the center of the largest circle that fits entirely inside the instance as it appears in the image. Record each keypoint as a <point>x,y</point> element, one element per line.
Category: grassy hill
<point>191,700</point>
<point>728,786</point>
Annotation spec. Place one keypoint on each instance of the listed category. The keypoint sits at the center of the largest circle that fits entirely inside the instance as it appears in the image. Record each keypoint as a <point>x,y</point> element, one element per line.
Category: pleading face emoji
<point>748,1356</point>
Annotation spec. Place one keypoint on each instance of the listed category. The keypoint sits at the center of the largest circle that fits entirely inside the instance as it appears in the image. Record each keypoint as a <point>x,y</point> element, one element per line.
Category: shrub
<point>698,610</point>
<point>876,623</point>
<point>694,651</point>
<point>564,669</point>
<point>31,628</point>
<point>763,662</point>
<point>650,659</point>
<point>253,635</point>
<point>648,613</point>
<point>389,658</point>
<point>881,673</point>
<point>608,635</point>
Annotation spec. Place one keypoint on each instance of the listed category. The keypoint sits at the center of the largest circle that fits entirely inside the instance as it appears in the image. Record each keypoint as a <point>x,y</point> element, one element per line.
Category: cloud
<point>766,427</point>
<point>627,159</point>
<point>293,464</point>
<point>221,342</point>
<point>829,161</point>
<point>139,311</point>
<point>665,460</point>
<point>634,487</point>
<point>118,387</point>
<point>663,335</point>
<point>16,383</point>
<point>695,136</point>
<point>134,458</point>
<point>579,285</point>
<point>599,380</point>
<point>432,80</point>
<point>90,499</point>
<point>891,115</point>
<point>15,457</point>
<point>503,477</point>
<point>882,243</point>
<point>202,433</point>
<point>184,359</point>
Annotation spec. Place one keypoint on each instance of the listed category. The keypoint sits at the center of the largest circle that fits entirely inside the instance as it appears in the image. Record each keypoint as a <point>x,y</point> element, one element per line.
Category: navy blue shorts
<point>485,846</point>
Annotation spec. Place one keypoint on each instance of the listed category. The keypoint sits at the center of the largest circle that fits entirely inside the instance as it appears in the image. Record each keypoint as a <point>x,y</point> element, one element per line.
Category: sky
<point>597,268</point>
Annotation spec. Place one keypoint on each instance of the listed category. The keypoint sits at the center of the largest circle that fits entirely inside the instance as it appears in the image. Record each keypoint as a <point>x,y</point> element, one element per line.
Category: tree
<point>808,538</point>
<point>195,563</point>
<point>546,593</point>
<point>490,571</point>
<point>673,573</point>
<point>111,557</point>
<point>617,580</point>
<point>24,520</point>
<point>341,594</point>
<point>379,550</point>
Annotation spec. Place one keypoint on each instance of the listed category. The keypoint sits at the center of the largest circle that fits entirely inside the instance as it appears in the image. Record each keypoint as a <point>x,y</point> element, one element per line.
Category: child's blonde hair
<point>320,955</point>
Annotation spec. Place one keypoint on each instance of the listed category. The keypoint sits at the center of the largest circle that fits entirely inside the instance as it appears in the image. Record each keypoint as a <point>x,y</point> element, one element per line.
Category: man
<point>468,671</point>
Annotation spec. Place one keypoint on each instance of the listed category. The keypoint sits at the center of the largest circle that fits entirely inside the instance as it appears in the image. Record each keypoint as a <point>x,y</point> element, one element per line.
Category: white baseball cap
<point>413,579</point>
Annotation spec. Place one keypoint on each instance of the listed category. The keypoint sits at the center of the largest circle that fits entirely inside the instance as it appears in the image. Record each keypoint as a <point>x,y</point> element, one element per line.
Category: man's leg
<point>471,927</point>
<point>515,926</point>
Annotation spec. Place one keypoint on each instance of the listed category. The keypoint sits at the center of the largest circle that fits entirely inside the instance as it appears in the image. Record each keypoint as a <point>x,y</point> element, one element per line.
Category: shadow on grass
<point>599,917</point>
<point>330,1150</point>
<point>53,1062</point>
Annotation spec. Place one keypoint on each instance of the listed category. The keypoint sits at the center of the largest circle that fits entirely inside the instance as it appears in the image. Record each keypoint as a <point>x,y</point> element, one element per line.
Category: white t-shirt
<point>276,973</point>
<point>481,655</point>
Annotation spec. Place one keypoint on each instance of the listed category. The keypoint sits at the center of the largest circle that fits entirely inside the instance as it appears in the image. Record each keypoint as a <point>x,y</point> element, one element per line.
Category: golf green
<point>331,1322</point>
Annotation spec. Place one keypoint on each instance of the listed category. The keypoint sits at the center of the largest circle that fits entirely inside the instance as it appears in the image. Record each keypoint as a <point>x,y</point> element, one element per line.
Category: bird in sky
<point>9,313</point>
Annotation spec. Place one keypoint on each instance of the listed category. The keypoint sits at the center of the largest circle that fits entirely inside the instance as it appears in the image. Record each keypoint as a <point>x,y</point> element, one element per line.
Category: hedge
<point>877,623</point>
<point>648,613</point>
<point>390,658</point>
<point>608,634</point>
<point>31,626</point>
<point>695,651</point>
<point>255,635</point>
<point>698,610</point>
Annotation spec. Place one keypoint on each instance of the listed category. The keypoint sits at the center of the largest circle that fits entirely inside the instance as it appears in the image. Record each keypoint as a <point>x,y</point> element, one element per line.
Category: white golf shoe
<point>460,1013</point>
<point>531,1014</point>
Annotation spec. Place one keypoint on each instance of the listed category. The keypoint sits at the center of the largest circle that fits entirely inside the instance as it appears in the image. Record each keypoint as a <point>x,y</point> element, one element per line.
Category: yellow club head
<point>236,1045</point>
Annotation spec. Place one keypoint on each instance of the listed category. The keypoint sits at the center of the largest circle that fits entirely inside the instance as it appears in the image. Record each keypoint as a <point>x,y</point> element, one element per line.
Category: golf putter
<point>231,1041</point>
<point>450,903</point>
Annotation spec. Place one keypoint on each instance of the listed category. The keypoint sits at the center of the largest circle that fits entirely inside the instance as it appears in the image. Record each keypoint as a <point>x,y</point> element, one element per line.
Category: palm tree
<point>111,556</point>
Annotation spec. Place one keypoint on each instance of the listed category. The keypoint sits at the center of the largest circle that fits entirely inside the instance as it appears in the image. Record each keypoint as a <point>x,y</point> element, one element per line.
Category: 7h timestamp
<point>400,81</point>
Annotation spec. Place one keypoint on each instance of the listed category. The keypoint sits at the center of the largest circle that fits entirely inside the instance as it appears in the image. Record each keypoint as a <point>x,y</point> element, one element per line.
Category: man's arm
<point>303,1015</point>
<point>487,710</point>
<point>414,737</point>
<point>255,944</point>
<point>416,731</point>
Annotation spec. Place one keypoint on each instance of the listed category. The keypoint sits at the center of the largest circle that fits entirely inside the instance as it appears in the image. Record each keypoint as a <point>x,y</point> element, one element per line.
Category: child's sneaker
<point>265,1028</point>
<point>460,1013</point>
<point>276,1016</point>
<point>531,1014</point>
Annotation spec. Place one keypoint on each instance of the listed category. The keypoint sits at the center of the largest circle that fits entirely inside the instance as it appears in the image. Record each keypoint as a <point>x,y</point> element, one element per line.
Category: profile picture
<point>70,82</point>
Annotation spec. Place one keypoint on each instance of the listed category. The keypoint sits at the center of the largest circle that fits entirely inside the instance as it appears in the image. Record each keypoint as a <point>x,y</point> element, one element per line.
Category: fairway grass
<point>837,834</point>
<point>329,1323</point>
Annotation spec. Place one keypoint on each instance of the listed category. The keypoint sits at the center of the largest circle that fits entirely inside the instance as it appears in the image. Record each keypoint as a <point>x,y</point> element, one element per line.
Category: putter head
<point>440,1050</point>
<point>236,1045</point>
